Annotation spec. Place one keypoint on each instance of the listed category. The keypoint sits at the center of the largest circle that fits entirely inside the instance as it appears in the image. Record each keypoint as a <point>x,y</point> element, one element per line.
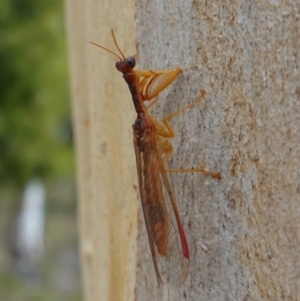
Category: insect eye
<point>130,62</point>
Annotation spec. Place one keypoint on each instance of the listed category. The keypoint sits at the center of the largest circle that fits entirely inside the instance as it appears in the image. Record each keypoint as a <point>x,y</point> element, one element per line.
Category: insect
<point>168,243</point>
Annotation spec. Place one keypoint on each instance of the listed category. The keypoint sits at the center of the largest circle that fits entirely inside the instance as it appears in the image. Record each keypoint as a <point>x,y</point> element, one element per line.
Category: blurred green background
<point>36,143</point>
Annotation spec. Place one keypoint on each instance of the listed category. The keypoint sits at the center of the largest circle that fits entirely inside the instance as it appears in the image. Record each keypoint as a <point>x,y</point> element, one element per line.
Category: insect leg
<point>167,149</point>
<point>152,103</point>
<point>215,175</point>
<point>166,131</point>
<point>169,116</point>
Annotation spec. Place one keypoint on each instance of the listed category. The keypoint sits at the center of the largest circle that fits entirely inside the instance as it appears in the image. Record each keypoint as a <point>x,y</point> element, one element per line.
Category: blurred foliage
<point>35,126</point>
<point>36,142</point>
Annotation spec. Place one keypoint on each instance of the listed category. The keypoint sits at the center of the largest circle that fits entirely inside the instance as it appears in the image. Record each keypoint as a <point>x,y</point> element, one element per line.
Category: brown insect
<point>166,236</point>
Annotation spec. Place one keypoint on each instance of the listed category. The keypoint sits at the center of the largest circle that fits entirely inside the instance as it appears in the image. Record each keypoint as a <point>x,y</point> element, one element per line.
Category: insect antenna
<point>112,33</point>
<point>107,50</point>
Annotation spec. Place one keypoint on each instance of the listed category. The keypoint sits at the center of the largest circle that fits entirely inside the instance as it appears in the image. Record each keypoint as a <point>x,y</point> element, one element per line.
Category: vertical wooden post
<point>106,175</point>
<point>243,231</point>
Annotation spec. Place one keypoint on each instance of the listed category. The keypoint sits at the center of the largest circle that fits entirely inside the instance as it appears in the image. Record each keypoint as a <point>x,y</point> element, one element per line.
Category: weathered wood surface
<point>243,231</point>
<point>105,158</point>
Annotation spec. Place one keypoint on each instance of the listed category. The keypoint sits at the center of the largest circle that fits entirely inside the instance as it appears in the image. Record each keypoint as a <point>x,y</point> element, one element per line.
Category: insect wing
<point>165,232</point>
